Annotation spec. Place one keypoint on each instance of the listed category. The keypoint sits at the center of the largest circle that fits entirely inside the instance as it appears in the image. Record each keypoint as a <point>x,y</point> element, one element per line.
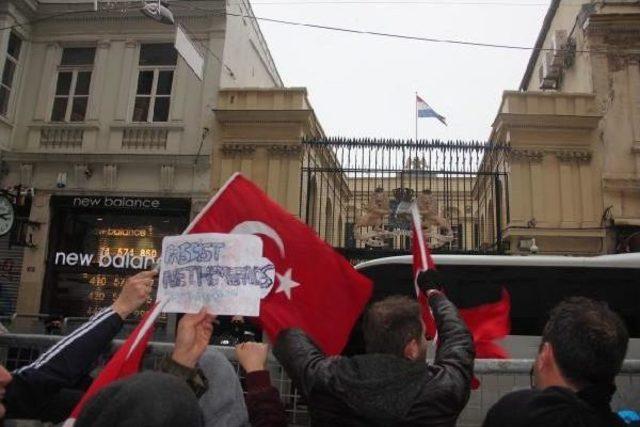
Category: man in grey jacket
<point>390,385</point>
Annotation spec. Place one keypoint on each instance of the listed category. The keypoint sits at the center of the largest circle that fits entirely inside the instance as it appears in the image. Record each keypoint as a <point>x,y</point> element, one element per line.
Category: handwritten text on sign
<point>224,272</point>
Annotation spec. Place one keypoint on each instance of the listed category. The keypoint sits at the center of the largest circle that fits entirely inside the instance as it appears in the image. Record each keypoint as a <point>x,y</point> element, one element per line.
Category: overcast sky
<point>365,85</point>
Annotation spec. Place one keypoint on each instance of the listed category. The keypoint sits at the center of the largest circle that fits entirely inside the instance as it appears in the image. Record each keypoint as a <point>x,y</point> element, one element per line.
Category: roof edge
<point>546,25</point>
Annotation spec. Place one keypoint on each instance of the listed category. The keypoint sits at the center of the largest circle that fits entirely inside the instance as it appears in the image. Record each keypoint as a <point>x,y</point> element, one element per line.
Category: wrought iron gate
<point>357,193</point>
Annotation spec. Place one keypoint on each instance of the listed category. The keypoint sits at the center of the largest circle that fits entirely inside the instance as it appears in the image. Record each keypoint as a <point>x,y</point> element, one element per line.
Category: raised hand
<point>134,293</point>
<point>252,356</point>
<point>192,338</point>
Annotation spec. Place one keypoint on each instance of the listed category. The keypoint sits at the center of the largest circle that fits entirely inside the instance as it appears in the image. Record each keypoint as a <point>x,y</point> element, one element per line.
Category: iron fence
<point>357,194</point>
<point>497,377</point>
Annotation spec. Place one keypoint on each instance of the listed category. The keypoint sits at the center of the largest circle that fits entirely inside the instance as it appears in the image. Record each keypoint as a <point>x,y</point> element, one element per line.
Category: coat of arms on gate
<point>385,218</point>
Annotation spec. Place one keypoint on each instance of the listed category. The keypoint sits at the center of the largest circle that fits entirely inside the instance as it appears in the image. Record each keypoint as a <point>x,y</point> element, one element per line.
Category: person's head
<point>394,326</point>
<point>5,379</point>
<point>150,398</point>
<point>583,343</point>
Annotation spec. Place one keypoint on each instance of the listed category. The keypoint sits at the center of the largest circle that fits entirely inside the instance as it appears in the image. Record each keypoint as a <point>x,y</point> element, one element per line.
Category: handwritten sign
<point>224,272</point>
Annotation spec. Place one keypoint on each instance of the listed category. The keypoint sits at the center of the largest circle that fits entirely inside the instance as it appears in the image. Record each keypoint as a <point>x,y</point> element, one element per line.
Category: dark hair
<point>589,341</point>
<point>389,325</point>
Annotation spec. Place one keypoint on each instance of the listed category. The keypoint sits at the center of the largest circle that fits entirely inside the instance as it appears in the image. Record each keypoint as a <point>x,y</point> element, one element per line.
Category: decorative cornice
<point>43,157</point>
<point>238,149</point>
<point>537,154</point>
<point>284,149</point>
<point>116,17</point>
<point>574,155</point>
<point>547,121</point>
<point>530,155</point>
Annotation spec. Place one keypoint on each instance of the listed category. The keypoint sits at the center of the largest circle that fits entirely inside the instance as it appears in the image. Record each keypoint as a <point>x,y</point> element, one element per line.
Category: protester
<point>263,401</point>
<point>50,387</point>
<point>583,347</point>
<point>147,399</point>
<point>391,384</point>
<point>208,372</point>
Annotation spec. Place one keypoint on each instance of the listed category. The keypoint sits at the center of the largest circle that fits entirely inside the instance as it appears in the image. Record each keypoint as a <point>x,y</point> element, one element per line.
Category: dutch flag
<point>424,110</point>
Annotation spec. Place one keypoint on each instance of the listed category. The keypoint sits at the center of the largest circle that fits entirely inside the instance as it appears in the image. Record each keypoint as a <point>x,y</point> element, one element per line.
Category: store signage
<point>120,203</point>
<point>125,261</point>
<point>116,202</point>
<point>224,272</point>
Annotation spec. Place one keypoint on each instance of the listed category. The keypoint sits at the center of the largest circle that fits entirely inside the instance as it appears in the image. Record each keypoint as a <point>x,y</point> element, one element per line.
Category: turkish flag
<point>316,289</point>
<point>124,363</point>
<point>487,322</point>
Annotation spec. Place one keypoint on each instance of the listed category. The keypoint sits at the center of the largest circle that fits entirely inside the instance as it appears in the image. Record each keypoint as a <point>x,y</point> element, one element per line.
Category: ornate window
<point>155,81</point>
<point>72,88</point>
<point>9,72</point>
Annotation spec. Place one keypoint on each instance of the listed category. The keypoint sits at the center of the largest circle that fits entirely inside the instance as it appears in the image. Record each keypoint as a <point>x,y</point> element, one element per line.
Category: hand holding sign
<point>224,273</point>
<point>192,338</point>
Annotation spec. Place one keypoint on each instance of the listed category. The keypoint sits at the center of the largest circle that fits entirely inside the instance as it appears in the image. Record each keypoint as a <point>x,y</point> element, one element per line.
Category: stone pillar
<point>34,261</point>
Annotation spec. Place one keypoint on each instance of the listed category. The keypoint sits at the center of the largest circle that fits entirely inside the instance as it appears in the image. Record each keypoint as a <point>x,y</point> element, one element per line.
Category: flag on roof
<point>424,110</point>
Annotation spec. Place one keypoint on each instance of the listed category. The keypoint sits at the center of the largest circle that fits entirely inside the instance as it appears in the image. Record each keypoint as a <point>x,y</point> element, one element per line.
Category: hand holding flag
<point>487,322</point>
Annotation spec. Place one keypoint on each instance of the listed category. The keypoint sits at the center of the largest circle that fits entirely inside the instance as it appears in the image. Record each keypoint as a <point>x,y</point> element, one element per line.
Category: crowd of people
<point>581,352</point>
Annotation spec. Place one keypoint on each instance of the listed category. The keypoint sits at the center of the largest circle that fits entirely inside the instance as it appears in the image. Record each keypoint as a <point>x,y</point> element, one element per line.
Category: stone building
<point>113,130</point>
<point>574,131</point>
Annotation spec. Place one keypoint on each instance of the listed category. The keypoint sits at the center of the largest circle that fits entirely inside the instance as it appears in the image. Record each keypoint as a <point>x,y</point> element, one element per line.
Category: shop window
<point>96,242</point>
<point>9,72</point>
<point>72,87</point>
<point>155,81</point>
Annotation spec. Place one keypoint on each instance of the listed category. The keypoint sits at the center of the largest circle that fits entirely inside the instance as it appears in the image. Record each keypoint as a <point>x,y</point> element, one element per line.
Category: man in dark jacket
<point>583,346</point>
<point>390,385</point>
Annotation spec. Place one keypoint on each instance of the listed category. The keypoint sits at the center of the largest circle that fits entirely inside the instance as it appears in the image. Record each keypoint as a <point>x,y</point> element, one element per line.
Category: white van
<point>535,283</point>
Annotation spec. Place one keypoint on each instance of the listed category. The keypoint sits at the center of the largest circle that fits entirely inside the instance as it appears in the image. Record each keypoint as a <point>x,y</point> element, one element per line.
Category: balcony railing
<point>61,137</point>
<point>145,138</point>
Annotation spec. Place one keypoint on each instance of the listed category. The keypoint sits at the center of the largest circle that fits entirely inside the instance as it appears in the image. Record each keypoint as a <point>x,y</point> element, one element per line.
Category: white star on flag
<point>286,283</point>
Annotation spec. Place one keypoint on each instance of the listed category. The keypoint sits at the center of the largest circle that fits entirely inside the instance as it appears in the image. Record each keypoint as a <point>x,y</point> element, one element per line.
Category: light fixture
<point>158,11</point>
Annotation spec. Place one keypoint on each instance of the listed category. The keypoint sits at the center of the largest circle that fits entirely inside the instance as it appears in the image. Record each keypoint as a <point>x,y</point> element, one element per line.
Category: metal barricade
<point>497,377</point>
<point>29,323</point>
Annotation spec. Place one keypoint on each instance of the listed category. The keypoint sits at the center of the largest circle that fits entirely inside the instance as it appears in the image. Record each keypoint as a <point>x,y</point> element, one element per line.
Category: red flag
<point>316,289</point>
<point>124,363</point>
<point>487,322</point>
<point>422,261</point>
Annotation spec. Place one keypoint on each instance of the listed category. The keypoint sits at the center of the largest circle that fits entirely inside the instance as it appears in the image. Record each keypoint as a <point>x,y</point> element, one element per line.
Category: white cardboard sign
<point>224,272</point>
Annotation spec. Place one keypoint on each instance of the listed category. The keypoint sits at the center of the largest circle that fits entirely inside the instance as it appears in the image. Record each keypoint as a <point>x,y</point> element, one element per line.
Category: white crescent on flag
<point>257,227</point>
<point>285,281</point>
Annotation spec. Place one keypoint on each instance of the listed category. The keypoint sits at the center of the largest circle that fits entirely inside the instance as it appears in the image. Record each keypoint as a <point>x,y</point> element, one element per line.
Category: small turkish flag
<point>422,262</point>
<point>316,289</point>
<point>487,322</point>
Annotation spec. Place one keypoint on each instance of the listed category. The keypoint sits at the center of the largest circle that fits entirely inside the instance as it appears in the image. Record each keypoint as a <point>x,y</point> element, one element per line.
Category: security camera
<point>61,182</point>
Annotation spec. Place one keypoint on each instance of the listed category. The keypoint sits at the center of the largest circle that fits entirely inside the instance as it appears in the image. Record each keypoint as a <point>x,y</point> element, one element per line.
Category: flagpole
<point>415,102</point>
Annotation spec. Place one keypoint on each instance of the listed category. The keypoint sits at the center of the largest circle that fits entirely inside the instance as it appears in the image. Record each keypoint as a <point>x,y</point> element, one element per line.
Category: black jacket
<point>49,388</point>
<point>380,389</point>
<point>554,406</point>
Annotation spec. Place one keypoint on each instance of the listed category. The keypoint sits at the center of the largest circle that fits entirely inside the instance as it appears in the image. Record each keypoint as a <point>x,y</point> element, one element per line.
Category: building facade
<point>114,132</point>
<point>573,129</point>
